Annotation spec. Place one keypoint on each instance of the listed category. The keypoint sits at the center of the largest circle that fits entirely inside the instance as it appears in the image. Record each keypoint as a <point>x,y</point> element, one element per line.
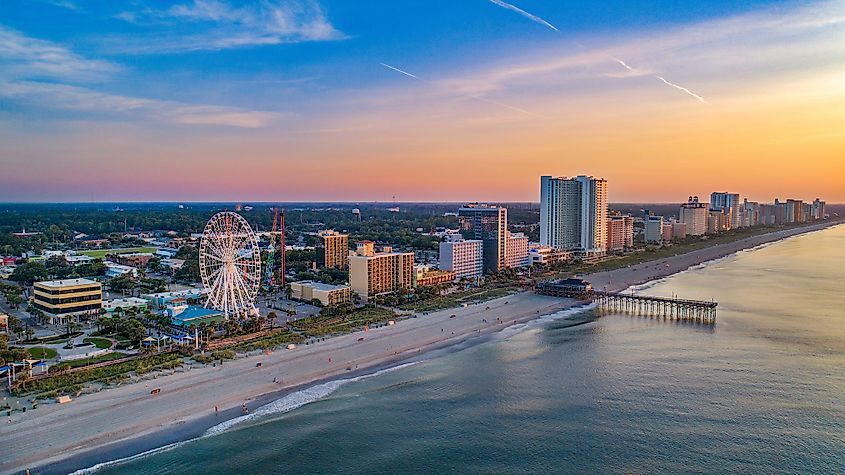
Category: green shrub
<point>201,358</point>
<point>223,355</point>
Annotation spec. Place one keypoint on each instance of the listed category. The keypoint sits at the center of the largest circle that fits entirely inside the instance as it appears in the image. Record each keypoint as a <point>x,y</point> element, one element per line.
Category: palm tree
<point>203,328</point>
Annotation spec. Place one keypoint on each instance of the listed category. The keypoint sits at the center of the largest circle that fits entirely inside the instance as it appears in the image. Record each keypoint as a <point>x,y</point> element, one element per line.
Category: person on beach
<point>216,410</point>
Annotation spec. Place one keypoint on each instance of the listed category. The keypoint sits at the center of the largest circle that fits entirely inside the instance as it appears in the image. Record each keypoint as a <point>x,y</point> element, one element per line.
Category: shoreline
<point>184,410</point>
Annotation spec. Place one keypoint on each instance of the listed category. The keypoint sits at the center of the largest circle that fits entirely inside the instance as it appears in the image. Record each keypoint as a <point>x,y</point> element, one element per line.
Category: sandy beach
<point>85,428</point>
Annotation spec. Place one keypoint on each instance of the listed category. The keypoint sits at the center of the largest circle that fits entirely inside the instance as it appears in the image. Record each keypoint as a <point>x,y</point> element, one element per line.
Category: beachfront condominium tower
<point>372,273</point>
<point>489,224</point>
<point>729,204</point>
<point>464,257</point>
<point>695,215</point>
<point>620,232</point>
<point>517,255</point>
<point>333,250</point>
<point>573,214</point>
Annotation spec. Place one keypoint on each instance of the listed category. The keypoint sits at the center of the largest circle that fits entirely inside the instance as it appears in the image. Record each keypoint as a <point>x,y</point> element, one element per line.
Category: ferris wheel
<point>230,264</point>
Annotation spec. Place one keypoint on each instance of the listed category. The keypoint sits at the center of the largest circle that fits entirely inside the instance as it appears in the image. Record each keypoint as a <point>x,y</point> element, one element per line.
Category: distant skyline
<point>330,100</point>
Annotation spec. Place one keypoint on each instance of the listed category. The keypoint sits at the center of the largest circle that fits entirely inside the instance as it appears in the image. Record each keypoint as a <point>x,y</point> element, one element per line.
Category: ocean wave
<point>282,405</point>
<point>637,288</point>
<point>519,328</point>
<point>297,399</point>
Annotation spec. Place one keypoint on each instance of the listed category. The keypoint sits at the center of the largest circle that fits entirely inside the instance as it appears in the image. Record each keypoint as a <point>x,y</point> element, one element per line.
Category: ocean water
<point>762,391</point>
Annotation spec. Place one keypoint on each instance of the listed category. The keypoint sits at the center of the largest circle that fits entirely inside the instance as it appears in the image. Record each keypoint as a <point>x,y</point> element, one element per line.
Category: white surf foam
<point>282,405</point>
<point>520,327</point>
<point>297,399</point>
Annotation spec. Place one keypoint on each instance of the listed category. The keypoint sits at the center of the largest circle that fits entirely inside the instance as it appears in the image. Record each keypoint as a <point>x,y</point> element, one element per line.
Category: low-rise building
<point>132,259</point>
<point>166,252</point>
<point>139,304</point>
<point>78,259</point>
<point>114,270</point>
<point>540,255</point>
<point>185,316</point>
<point>163,300</point>
<point>172,264</point>
<point>327,294</point>
<point>61,300</point>
<point>425,275</point>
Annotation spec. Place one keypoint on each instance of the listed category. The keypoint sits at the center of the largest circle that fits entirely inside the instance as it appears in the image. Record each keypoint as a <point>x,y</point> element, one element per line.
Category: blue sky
<point>150,43</point>
<point>298,86</point>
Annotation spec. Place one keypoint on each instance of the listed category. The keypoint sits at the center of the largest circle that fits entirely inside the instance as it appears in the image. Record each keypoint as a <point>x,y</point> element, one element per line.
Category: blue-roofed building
<point>184,317</point>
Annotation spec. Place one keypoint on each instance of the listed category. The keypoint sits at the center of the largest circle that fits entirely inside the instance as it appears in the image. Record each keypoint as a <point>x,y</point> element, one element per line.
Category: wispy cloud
<point>524,13</point>
<point>22,56</point>
<point>47,75</point>
<point>63,4</point>
<point>224,26</point>
<point>60,96</point>
<point>469,96</point>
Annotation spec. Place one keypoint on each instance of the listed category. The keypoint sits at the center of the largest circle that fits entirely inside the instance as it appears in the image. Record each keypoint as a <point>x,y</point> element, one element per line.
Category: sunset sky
<point>440,100</point>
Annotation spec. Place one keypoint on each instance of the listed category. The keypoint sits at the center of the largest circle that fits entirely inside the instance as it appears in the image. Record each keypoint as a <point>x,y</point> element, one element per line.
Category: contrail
<point>661,78</point>
<point>401,72</point>
<point>470,96</point>
<point>524,13</point>
<point>539,20</point>
<point>682,89</point>
<point>623,64</point>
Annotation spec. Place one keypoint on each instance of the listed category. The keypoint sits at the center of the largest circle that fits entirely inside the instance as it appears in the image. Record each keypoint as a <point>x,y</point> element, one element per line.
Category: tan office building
<point>333,250</point>
<point>327,294</point>
<point>372,273</point>
<point>67,299</point>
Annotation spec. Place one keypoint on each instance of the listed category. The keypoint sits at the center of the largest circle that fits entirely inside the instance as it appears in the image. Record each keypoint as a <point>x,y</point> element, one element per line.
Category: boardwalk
<point>617,302</point>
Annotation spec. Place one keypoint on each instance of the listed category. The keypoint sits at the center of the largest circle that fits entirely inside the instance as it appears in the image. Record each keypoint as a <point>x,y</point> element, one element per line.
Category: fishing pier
<point>698,311</point>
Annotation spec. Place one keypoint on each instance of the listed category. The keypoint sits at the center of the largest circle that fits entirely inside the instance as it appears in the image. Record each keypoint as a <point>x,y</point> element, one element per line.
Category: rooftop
<point>197,315</point>
<point>66,283</point>
<point>322,286</point>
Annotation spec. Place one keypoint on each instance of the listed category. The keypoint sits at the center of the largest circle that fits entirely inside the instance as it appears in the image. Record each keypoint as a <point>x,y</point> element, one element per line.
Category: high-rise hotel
<point>573,214</point>
<point>489,224</point>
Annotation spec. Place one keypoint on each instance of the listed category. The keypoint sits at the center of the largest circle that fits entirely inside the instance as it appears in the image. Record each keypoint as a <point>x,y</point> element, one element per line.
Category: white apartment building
<point>573,213</point>
<point>464,257</point>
